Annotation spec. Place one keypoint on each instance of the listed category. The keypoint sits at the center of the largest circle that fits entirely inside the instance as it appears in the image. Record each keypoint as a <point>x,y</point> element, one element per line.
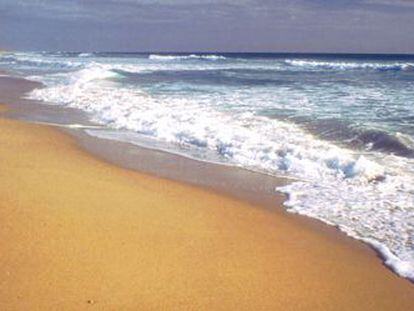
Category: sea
<point>340,127</point>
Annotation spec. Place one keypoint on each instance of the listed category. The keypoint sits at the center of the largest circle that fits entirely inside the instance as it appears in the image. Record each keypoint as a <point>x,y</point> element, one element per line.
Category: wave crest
<point>33,61</point>
<point>184,57</point>
<point>350,65</point>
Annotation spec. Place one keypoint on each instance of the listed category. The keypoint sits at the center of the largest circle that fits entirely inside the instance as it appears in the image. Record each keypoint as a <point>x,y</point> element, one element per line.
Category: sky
<point>348,26</point>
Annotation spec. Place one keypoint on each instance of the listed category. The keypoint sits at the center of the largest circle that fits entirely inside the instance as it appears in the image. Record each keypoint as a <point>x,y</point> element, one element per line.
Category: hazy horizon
<point>280,26</point>
<point>213,52</point>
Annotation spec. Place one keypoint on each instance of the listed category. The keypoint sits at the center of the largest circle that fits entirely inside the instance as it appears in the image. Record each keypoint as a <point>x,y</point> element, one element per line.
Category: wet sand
<point>78,233</point>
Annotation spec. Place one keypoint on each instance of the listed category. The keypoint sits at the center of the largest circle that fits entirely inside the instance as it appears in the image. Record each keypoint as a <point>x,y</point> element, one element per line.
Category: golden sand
<point>77,233</point>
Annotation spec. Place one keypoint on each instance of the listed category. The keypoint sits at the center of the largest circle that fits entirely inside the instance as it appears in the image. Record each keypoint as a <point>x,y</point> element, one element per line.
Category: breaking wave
<point>184,57</point>
<point>351,65</point>
<point>368,139</point>
<point>30,61</point>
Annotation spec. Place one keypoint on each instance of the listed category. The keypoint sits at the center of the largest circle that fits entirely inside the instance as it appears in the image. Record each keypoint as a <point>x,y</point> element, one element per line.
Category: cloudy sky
<point>373,26</point>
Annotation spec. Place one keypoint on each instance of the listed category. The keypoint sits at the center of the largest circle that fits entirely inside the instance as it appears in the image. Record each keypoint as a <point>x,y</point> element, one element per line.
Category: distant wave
<point>351,65</point>
<point>94,72</point>
<point>38,61</point>
<point>85,55</point>
<point>183,57</point>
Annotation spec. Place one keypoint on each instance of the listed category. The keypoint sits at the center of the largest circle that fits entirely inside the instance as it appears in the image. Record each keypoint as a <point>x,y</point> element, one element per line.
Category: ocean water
<point>340,126</point>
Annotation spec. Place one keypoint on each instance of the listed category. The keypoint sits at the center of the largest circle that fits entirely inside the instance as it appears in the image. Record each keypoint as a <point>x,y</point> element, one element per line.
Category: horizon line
<point>217,52</point>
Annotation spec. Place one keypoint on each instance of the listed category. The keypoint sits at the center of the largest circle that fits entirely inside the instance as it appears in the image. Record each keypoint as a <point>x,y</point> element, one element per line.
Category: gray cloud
<point>228,25</point>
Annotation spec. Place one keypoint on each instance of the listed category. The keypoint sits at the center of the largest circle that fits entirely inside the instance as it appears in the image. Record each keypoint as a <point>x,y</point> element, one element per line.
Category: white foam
<point>183,57</point>
<point>91,73</point>
<point>350,65</point>
<point>85,55</point>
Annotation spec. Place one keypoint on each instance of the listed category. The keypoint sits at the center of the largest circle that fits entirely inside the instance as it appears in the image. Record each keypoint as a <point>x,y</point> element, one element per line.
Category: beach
<point>78,232</point>
<point>316,133</point>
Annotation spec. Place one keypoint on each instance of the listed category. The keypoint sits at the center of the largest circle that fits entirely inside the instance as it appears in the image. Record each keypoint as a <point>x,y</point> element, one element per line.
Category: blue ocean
<point>340,127</point>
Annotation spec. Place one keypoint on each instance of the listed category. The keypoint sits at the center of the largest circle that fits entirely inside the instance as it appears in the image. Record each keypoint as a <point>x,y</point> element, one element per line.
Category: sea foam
<point>184,57</point>
<point>335,65</point>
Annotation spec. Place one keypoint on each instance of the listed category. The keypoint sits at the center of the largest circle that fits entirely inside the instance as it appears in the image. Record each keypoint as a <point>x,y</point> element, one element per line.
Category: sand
<point>77,233</point>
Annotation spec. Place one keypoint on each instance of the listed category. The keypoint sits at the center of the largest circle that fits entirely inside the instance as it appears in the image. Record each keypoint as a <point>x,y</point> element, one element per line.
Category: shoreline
<point>281,253</point>
<point>202,174</point>
<point>252,187</point>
